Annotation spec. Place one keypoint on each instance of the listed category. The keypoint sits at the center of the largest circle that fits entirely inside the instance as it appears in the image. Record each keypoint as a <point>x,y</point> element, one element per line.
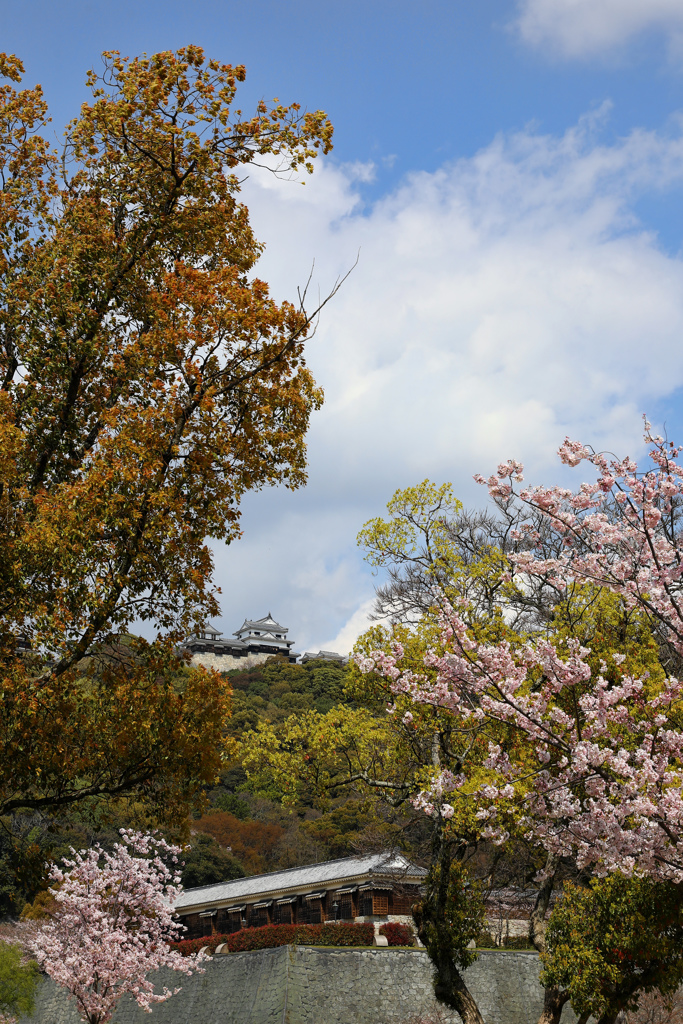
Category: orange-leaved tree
<point>147,380</point>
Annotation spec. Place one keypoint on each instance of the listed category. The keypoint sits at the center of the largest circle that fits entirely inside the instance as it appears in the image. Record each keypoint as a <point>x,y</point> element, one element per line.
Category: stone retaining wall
<point>317,985</point>
<point>227,662</point>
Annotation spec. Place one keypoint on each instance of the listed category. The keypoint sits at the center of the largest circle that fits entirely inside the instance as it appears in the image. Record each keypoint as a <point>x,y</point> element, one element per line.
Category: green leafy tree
<point>207,862</point>
<point>613,940</point>
<point>273,691</point>
<point>449,917</point>
<point>18,980</point>
<point>233,805</point>
<point>358,750</point>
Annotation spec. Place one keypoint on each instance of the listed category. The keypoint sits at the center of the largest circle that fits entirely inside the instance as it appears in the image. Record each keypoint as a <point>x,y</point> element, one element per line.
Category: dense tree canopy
<point>612,940</point>
<point>147,380</point>
<point>527,695</point>
<point>576,704</point>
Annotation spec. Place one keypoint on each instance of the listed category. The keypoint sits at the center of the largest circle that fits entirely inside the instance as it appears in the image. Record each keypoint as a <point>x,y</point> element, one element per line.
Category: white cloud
<point>499,303</point>
<point>351,630</point>
<point>578,28</point>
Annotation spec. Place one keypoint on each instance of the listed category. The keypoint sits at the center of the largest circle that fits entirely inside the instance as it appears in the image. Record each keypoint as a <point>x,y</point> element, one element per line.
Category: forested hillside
<point>250,822</point>
<point>237,828</point>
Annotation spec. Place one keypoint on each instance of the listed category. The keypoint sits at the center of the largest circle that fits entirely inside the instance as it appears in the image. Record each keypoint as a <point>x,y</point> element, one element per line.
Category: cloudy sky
<point>511,176</point>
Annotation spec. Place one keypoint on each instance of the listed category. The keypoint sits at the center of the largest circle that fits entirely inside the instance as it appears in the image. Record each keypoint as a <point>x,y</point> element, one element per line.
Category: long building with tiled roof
<point>374,887</point>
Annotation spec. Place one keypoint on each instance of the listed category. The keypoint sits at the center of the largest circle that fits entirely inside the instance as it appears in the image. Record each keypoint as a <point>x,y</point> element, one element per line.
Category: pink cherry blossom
<point>112,926</point>
<point>607,783</point>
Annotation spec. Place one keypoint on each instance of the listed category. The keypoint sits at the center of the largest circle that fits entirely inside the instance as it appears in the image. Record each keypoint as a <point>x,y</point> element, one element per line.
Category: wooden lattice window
<point>310,912</point>
<point>365,904</point>
<point>380,904</point>
<point>403,903</point>
<point>193,925</point>
<point>282,913</point>
<point>345,912</point>
<point>258,917</point>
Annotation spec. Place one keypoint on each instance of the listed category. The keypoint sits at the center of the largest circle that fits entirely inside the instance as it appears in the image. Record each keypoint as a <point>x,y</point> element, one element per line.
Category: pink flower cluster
<point>113,924</point>
<point>605,782</point>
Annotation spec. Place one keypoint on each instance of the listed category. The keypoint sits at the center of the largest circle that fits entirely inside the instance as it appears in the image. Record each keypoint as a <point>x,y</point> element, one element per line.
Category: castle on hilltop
<point>256,641</point>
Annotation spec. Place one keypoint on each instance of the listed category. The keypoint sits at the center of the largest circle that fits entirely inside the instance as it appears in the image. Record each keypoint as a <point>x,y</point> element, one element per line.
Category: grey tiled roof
<point>330,874</point>
<point>267,622</point>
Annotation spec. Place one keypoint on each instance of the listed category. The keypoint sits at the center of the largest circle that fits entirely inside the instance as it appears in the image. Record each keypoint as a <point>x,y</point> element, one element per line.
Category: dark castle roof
<point>266,624</point>
<point>255,636</point>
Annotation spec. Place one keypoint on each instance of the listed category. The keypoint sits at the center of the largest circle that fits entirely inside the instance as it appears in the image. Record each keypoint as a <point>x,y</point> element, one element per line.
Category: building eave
<point>301,890</point>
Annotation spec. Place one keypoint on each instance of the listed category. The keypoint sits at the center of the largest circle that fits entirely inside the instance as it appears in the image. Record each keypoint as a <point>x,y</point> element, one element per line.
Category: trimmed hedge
<point>282,935</point>
<point>398,934</point>
<point>517,942</point>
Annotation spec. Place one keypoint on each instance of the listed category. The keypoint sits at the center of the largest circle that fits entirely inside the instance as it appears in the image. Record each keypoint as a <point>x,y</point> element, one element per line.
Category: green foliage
<point>451,915</point>
<point>273,691</point>
<point>416,528</point>
<point>233,805</point>
<point>22,867</point>
<point>429,543</point>
<point>612,940</point>
<point>339,828</point>
<point>310,757</point>
<point>18,980</point>
<point>207,862</point>
<point>602,622</point>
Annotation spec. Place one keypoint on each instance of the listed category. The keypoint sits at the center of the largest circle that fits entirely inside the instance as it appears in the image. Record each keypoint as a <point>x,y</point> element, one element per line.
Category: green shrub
<point>517,942</point>
<point>18,980</point>
<point>485,940</point>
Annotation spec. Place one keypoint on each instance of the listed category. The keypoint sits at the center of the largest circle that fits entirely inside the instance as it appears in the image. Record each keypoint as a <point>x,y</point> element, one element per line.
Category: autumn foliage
<point>253,843</point>
<point>147,381</point>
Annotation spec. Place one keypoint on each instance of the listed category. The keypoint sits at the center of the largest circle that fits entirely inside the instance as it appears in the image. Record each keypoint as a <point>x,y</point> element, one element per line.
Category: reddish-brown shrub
<point>283,935</point>
<point>398,934</point>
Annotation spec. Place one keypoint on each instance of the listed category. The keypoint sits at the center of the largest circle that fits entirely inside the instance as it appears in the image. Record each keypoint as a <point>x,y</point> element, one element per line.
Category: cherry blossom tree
<point>113,924</point>
<point>602,776</point>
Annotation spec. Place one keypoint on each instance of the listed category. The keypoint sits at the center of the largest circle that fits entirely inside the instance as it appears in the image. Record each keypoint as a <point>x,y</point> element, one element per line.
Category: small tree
<point>610,942</point>
<point>112,925</point>
<point>18,979</point>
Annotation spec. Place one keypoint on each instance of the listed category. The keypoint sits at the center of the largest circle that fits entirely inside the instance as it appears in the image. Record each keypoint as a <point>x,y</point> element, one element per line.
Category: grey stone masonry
<point>316,985</point>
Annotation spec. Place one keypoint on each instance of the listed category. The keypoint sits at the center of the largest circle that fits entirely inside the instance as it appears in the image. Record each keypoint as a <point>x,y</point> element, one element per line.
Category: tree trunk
<point>553,998</point>
<point>537,922</point>
<point>553,1001</point>
<point>609,1017</point>
<point>450,988</point>
<point>449,984</point>
<point>434,931</point>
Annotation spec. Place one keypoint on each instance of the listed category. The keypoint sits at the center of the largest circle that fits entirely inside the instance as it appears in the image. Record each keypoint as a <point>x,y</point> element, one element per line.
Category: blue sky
<point>512,173</point>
